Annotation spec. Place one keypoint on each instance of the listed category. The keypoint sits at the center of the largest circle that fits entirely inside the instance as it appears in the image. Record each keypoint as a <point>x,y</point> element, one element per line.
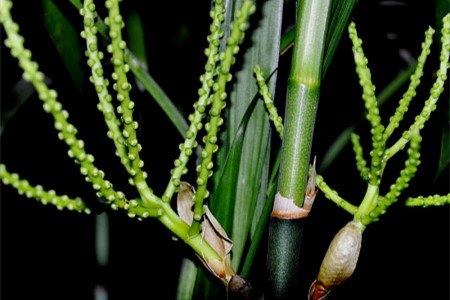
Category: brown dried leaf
<point>215,235</point>
<point>212,232</point>
<point>185,202</point>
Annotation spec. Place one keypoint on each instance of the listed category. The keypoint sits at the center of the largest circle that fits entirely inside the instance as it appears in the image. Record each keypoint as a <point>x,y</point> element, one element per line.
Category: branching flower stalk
<point>122,86</point>
<point>227,59</point>
<point>435,200</point>
<point>67,131</point>
<point>207,81</point>
<point>123,131</point>
<point>338,265</point>
<point>336,262</point>
<point>37,192</point>
<point>193,222</point>
<point>267,96</point>
<point>95,57</point>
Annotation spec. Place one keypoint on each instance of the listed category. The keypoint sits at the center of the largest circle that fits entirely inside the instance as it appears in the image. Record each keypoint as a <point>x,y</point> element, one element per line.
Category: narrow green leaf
<point>20,93</point>
<point>136,38</point>
<point>157,93</point>
<point>444,158</point>
<point>262,219</point>
<point>102,239</point>
<point>341,12</point>
<point>223,205</point>
<point>287,40</point>
<point>186,286</point>
<point>66,40</point>
<point>336,147</point>
<point>76,3</point>
<point>245,142</point>
<point>251,162</point>
<point>442,8</point>
<point>396,83</point>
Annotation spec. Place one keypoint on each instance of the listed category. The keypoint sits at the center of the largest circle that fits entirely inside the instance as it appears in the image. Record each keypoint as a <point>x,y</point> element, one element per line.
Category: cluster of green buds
<point>193,222</point>
<point>343,252</point>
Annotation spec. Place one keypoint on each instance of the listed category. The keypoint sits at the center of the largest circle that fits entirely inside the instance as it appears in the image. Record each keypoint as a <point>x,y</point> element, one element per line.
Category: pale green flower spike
<point>213,255</point>
<point>435,92</point>
<point>100,83</point>
<point>207,81</point>
<point>67,131</point>
<point>373,204</point>
<point>37,192</point>
<point>361,163</point>
<point>435,200</point>
<point>122,86</point>
<point>227,59</point>
<point>402,181</point>
<point>415,81</point>
<point>373,114</point>
<point>147,206</point>
<point>267,96</point>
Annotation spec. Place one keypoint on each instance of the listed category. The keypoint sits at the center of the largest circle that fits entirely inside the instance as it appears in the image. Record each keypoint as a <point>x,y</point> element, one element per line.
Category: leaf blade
<point>65,38</point>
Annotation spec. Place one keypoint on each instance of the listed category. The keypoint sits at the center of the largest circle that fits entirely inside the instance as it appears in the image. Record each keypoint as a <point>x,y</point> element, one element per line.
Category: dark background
<point>48,254</point>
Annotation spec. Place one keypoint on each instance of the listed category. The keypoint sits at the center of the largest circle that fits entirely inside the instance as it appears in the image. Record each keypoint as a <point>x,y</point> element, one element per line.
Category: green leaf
<point>262,219</point>
<point>136,41</point>
<point>341,11</point>
<point>223,203</point>
<point>336,147</point>
<point>251,162</point>
<point>20,94</point>
<point>444,158</point>
<point>76,3</point>
<point>66,40</point>
<point>185,288</point>
<point>102,238</point>
<point>340,14</point>
<point>157,93</point>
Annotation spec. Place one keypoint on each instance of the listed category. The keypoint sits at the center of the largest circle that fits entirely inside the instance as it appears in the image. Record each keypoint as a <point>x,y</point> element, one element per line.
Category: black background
<point>48,254</point>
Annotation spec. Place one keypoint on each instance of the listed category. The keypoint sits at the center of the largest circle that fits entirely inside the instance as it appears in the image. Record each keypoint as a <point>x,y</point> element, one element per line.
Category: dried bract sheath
<point>212,232</point>
<point>339,262</point>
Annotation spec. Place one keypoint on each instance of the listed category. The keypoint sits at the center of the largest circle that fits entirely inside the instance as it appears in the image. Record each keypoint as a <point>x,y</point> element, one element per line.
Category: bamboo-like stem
<point>285,234</point>
<point>303,96</point>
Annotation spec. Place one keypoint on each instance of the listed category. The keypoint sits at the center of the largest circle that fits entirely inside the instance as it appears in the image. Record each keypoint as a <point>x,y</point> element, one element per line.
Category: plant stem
<point>303,96</point>
<point>283,259</point>
<point>286,223</point>
<point>367,205</point>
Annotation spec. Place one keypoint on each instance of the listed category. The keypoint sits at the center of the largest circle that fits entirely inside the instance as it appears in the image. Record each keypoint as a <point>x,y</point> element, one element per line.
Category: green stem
<point>286,224</point>
<point>282,275</point>
<point>303,96</point>
<point>367,205</point>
